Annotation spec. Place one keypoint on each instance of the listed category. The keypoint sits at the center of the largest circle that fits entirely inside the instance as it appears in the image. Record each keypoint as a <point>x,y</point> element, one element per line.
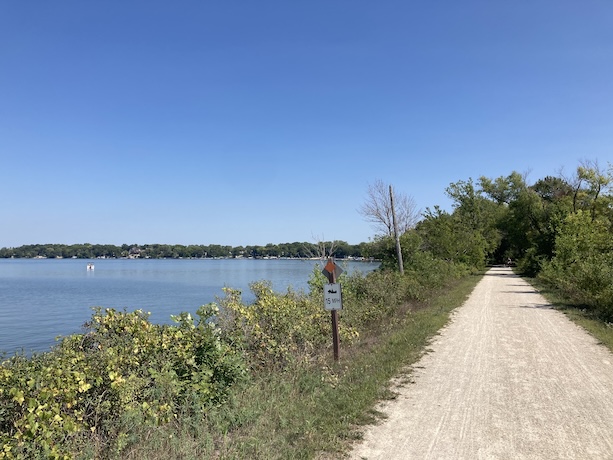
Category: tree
<point>503,189</point>
<point>321,249</point>
<point>597,181</point>
<point>478,215</point>
<point>451,237</point>
<point>583,263</point>
<point>378,209</point>
<point>588,183</point>
<point>552,188</point>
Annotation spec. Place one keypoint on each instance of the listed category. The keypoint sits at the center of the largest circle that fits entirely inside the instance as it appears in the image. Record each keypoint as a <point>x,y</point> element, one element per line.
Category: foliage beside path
<point>258,381</point>
<point>127,387</point>
<point>558,228</point>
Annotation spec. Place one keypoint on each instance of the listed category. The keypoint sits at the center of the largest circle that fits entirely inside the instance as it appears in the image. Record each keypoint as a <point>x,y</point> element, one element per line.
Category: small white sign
<point>332,297</point>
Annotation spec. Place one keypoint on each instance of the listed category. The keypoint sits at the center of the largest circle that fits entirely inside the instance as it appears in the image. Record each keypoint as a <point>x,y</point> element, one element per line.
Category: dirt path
<point>508,378</point>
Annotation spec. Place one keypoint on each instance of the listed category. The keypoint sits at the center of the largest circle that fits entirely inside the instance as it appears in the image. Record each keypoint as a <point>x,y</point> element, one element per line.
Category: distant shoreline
<point>297,250</point>
<point>352,259</point>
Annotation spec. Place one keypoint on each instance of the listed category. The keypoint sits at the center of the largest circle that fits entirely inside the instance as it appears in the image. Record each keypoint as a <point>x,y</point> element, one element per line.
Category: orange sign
<point>330,266</point>
<point>331,270</point>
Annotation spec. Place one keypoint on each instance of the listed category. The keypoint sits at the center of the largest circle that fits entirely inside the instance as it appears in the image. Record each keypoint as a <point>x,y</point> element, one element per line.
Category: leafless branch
<point>322,249</point>
<point>377,209</point>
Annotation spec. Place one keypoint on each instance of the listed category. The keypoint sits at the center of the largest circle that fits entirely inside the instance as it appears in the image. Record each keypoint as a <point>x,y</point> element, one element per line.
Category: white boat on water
<point>90,267</point>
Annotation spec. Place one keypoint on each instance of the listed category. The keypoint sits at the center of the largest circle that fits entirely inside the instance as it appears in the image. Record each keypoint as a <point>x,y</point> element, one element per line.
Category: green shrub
<point>531,263</point>
<point>432,273</point>
<point>582,267</point>
<point>376,296</point>
<point>276,329</point>
<point>93,389</point>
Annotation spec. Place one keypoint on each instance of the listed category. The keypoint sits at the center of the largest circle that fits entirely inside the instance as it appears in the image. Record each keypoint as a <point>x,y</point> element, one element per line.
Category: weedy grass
<point>309,411</point>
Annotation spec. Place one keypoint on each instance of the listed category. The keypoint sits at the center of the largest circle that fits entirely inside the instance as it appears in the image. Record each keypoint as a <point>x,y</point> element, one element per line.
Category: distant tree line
<point>340,249</point>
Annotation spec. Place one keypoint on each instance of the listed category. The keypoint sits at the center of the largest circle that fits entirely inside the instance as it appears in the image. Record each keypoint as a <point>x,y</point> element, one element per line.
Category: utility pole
<point>396,235</point>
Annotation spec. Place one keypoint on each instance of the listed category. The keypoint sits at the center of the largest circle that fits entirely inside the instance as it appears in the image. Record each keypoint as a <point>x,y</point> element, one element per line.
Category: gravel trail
<point>508,378</point>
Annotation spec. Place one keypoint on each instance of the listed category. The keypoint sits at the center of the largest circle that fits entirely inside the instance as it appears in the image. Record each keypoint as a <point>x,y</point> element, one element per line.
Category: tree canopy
<point>559,228</point>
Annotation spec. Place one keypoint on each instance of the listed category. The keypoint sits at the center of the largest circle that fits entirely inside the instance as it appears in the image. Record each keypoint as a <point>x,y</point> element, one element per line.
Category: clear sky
<point>254,122</point>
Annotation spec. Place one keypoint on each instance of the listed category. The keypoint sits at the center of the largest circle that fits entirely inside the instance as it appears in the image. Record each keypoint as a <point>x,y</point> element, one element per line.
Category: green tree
<point>503,190</point>
<point>449,237</point>
<point>477,219</point>
<point>583,263</point>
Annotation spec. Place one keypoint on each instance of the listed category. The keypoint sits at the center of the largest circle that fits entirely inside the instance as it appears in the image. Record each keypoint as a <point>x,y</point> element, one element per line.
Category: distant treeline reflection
<point>341,249</point>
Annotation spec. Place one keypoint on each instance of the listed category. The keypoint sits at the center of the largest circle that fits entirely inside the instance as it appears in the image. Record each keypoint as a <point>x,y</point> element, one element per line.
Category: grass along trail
<point>509,377</point>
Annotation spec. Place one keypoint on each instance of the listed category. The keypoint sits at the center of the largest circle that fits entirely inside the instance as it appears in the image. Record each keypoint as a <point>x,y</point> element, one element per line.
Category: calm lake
<point>41,299</point>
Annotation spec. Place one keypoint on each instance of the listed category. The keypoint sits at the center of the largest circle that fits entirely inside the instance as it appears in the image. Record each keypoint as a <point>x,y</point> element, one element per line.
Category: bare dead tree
<point>377,208</point>
<point>321,249</point>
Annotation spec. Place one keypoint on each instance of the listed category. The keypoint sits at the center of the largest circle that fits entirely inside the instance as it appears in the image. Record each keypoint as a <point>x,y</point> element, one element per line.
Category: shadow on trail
<point>541,306</point>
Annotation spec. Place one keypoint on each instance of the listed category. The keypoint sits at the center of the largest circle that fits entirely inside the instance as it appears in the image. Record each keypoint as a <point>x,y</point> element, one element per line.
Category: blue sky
<point>242,122</point>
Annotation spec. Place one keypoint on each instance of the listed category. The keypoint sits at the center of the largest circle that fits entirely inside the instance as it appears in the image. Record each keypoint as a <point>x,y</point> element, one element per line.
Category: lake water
<point>41,299</point>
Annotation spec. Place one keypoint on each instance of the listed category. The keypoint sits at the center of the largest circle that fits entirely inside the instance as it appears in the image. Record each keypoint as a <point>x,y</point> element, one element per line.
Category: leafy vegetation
<point>559,229</point>
<point>257,380</point>
<point>106,392</point>
<point>90,391</point>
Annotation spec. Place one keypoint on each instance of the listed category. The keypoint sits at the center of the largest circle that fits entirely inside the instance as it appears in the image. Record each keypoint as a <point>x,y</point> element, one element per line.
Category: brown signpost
<point>332,300</point>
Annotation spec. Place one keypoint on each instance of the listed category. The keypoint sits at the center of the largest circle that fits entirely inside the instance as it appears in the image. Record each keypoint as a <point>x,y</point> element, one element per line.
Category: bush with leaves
<point>280,329</point>
<point>277,329</point>
<point>93,389</point>
<point>583,263</point>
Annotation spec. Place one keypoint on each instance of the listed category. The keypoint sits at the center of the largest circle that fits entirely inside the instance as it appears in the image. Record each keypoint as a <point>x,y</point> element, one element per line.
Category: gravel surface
<point>508,378</point>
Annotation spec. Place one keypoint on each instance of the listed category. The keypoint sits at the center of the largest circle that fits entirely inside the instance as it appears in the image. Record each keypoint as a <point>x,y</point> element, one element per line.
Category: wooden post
<point>336,343</point>
<point>335,338</point>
